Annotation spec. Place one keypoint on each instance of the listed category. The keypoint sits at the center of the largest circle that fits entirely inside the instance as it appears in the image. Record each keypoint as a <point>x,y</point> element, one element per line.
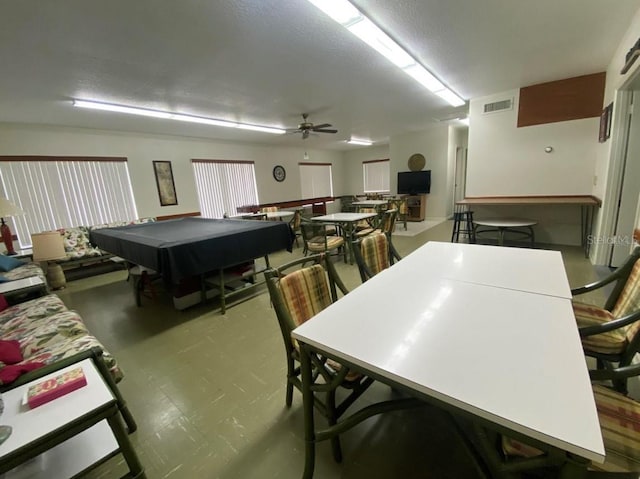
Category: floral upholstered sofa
<point>78,246</point>
<point>25,270</point>
<point>47,332</point>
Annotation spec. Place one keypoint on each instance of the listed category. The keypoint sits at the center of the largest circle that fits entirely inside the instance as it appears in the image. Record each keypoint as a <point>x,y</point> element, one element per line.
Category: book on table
<point>44,391</point>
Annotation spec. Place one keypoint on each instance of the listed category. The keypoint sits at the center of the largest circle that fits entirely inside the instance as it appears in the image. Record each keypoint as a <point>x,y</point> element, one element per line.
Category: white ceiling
<point>267,61</point>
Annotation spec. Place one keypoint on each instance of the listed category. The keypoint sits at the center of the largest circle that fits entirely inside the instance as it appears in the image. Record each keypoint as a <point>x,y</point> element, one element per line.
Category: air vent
<point>497,106</point>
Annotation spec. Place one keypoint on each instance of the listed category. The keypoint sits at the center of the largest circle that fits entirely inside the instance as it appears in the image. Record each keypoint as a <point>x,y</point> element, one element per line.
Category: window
<point>224,185</point>
<point>57,192</point>
<point>315,180</point>
<point>376,176</point>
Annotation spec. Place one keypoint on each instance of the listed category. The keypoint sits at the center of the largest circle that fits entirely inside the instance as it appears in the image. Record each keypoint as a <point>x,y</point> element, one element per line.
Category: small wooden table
<point>519,226</point>
<point>68,435</point>
<point>13,290</point>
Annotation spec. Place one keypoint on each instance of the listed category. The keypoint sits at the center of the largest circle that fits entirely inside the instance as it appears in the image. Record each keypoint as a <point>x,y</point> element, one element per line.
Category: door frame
<point>619,132</point>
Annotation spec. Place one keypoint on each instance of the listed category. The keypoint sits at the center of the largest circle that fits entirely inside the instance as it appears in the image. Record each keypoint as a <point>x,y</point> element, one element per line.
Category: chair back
<point>269,209</point>
<point>299,294</point>
<point>364,224</point>
<point>629,301</point>
<point>389,221</point>
<point>374,253</point>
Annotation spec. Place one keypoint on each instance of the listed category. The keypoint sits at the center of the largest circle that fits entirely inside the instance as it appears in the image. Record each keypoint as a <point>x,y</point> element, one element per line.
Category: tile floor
<point>207,390</point>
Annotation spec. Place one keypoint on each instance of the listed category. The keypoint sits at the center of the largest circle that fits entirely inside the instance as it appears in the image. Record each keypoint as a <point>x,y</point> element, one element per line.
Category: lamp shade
<point>47,246</point>
<point>7,208</point>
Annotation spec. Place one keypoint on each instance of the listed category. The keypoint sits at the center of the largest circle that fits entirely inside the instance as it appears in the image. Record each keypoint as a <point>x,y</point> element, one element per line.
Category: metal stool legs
<point>463,225</point>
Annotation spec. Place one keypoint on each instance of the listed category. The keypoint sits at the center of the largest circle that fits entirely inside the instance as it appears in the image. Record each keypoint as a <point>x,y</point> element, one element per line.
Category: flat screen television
<point>414,182</point>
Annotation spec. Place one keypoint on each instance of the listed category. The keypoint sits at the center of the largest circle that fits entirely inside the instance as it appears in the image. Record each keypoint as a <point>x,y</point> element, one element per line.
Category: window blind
<point>57,192</point>
<point>315,180</point>
<point>376,176</point>
<point>224,185</point>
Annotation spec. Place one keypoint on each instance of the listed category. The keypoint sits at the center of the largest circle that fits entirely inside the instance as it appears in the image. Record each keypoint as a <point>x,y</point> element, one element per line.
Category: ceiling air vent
<point>497,106</point>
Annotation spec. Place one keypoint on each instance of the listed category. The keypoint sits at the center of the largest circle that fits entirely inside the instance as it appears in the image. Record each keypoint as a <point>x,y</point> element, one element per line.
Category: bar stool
<point>463,224</point>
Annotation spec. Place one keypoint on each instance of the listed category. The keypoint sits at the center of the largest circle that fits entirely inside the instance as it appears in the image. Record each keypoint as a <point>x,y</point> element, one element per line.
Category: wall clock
<point>416,162</point>
<point>278,173</point>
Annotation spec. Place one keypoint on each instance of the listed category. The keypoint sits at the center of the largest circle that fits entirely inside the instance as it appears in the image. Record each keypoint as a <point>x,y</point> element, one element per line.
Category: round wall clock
<point>278,173</point>
<point>416,162</point>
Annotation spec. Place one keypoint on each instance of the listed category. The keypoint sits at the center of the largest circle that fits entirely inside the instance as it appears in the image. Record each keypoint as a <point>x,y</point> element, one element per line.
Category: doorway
<point>460,177</point>
<point>629,181</point>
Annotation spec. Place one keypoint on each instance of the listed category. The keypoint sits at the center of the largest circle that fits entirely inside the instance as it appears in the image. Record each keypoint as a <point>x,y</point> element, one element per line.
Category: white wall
<point>506,160</point>
<point>354,180</point>
<point>142,149</point>
<point>433,143</point>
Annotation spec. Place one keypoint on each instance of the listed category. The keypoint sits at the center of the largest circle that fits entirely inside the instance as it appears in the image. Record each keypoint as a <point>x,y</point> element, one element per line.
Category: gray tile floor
<point>207,390</point>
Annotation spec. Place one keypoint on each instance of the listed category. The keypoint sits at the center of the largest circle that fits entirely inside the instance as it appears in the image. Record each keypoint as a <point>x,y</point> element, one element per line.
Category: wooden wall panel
<point>562,100</point>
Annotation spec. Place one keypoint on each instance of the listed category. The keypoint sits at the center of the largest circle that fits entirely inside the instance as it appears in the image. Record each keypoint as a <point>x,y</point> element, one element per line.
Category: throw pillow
<point>8,374</point>
<point>3,279</point>
<point>10,352</point>
<point>7,263</point>
<point>3,303</point>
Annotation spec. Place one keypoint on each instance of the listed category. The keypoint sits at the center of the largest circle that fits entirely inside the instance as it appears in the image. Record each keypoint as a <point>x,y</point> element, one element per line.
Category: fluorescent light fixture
<point>121,109</point>
<point>426,79</point>
<point>340,11</point>
<point>353,141</point>
<point>343,12</point>
<point>452,98</point>
<point>366,31</point>
<point>174,116</point>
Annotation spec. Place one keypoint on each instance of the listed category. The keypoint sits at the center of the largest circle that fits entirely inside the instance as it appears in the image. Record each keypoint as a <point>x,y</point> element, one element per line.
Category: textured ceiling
<point>267,61</point>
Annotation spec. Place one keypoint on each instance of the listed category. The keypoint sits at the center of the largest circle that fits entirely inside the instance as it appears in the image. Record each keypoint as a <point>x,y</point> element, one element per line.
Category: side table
<point>19,289</point>
<point>68,435</point>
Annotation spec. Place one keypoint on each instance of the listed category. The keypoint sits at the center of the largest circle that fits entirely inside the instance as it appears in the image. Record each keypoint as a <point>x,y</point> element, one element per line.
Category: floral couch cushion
<point>77,244</point>
<point>27,270</point>
<point>48,331</point>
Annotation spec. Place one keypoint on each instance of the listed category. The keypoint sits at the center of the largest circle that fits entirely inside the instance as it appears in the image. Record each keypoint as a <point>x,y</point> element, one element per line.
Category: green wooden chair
<point>373,254</point>
<point>298,293</point>
<point>620,427</point>
<point>611,333</point>
<point>318,239</point>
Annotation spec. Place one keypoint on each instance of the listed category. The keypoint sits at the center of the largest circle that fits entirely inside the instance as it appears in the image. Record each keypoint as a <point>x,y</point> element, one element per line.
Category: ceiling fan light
<point>341,11</point>
<point>354,141</point>
<point>449,96</point>
<point>424,77</point>
<point>369,33</point>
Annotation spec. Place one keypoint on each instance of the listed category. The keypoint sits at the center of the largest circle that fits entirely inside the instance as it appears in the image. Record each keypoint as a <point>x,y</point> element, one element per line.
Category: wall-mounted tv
<point>414,182</point>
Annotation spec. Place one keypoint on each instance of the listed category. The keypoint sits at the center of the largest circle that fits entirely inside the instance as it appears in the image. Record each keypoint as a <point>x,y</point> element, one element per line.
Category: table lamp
<point>8,209</point>
<point>49,246</point>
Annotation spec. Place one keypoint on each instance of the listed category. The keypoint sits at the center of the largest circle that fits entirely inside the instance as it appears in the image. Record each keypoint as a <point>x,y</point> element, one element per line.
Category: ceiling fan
<point>306,128</point>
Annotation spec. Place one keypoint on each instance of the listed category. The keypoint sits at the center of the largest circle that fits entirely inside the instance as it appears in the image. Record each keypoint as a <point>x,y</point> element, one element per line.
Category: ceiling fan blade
<point>325,131</point>
<point>324,125</point>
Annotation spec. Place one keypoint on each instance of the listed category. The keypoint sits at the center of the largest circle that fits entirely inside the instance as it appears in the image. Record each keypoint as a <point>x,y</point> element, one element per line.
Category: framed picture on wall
<point>164,181</point>
<point>605,123</point>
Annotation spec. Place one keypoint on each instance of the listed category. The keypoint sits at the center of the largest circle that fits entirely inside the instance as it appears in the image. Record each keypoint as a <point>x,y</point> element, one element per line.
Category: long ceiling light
<point>353,20</point>
<point>353,141</point>
<point>174,116</point>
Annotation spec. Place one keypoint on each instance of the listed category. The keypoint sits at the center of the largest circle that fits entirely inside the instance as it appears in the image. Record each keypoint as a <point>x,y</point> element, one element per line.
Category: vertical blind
<point>376,176</point>
<point>224,185</point>
<point>315,180</point>
<point>59,192</point>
